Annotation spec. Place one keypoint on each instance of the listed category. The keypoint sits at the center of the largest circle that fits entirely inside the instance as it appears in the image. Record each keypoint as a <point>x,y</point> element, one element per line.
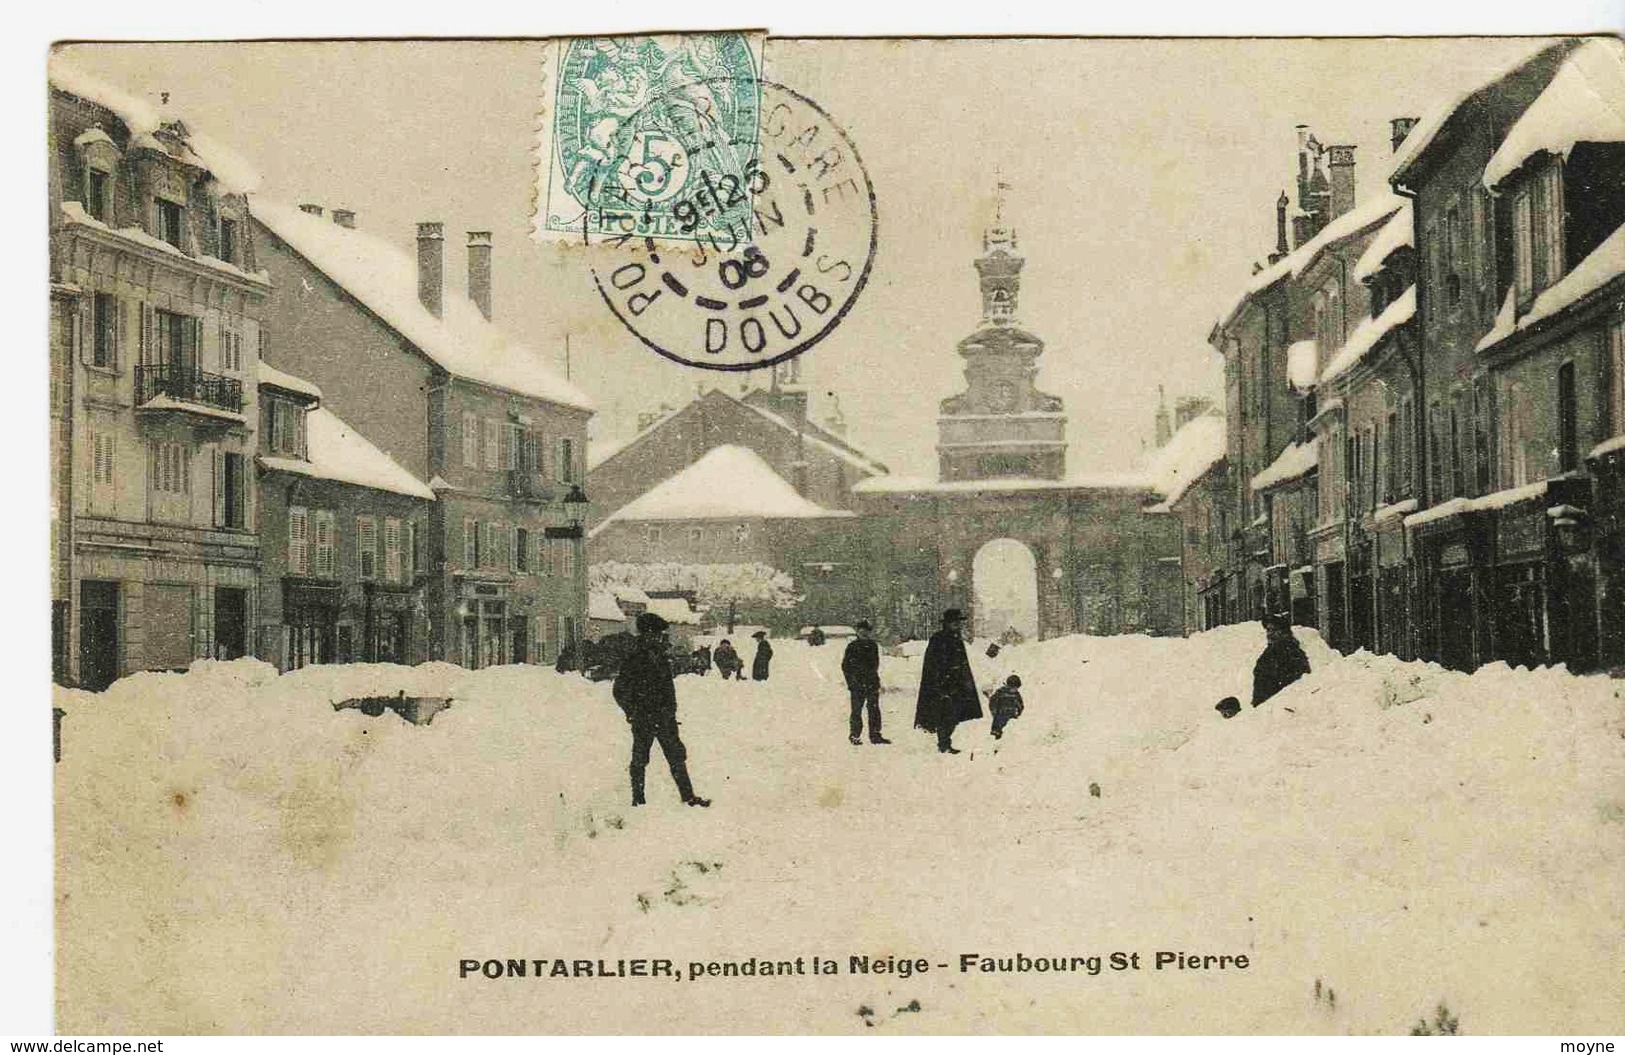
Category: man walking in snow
<point>948,693</point>
<point>861,666</point>
<point>764,656</point>
<point>1281,663</point>
<point>647,693</point>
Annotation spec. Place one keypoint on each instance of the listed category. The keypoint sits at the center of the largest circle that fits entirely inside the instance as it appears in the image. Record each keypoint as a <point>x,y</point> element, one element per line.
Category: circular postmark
<point>761,254</point>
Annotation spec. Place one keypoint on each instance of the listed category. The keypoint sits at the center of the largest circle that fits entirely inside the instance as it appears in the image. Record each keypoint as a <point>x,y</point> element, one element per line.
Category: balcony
<point>184,385</point>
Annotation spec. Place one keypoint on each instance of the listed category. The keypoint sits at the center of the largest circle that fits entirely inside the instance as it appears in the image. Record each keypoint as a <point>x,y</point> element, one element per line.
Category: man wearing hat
<point>861,666</point>
<point>1281,663</point>
<point>764,656</point>
<point>647,693</point>
<point>948,693</point>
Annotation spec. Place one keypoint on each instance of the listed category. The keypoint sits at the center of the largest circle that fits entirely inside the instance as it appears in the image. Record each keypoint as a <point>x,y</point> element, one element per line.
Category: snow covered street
<point>235,856</point>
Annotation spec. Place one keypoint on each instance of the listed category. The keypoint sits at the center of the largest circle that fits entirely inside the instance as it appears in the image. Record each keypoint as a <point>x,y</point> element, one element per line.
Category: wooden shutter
<point>219,460</point>
<point>470,542</point>
<point>561,470</point>
<point>492,441</point>
<point>513,548</point>
<point>366,542</point>
<point>325,543</point>
<point>392,549</point>
<point>298,540</point>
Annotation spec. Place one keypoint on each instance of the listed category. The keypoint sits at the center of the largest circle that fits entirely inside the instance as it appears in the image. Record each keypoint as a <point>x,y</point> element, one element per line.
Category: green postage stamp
<point>653,135</point>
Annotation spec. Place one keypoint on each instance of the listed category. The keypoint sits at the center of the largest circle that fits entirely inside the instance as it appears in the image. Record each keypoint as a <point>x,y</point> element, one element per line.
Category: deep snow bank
<point>233,855</point>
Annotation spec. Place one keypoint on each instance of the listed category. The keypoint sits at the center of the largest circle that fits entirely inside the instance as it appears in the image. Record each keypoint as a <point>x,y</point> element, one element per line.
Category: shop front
<point>1543,611</point>
<point>310,619</point>
<point>1607,530</point>
<point>1453,561</point>
<point>1393,588</point>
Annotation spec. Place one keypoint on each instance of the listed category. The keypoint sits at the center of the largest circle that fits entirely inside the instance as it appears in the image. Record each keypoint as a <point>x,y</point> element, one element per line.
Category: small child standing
<point>1005,704</point>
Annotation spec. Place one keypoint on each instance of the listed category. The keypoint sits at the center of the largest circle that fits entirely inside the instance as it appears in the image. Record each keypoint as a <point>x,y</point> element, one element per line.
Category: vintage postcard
<point>714,533</point>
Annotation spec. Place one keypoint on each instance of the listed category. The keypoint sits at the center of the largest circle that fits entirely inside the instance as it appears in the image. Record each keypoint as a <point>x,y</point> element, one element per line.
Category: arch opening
<point>1004,590</point>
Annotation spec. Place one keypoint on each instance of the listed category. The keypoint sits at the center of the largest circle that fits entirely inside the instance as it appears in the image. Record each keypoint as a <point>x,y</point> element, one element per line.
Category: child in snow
<point>1005,704</point>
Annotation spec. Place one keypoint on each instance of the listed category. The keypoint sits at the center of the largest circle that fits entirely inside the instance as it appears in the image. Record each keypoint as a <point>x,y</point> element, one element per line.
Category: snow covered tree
<point>711,584</point>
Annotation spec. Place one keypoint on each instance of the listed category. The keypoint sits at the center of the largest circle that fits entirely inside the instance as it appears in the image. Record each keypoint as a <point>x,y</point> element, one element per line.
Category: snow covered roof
<point>1584,103</point>
<point>1128,481</point>
<point>1369,332</point>
<point>1190,452</point>
<point>674,610</point>
<point>1378,208</point>
<point>1302,363</point>
<point>384,278</point>
<point>338,452</point>
<point>601,605</point>
<point>143,119</point>
<point>1601,266</point>
<point>601,451</point>
<point>810,433</point>
<point>727,483</point>
<point>629,595</point>
<point>1295,461</point>
<point>1496,500</point>
<point>270,375</point>
<point>1396,234</point>
<point>75,213</point>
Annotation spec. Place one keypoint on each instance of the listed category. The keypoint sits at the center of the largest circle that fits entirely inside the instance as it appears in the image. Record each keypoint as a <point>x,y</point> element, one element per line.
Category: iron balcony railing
<point>188,386</point>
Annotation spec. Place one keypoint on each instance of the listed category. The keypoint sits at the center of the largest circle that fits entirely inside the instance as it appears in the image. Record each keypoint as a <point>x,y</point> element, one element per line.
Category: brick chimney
<point>431,265</point>
<point>1399,128</point>
<point>1340,160</point>
<point>1281,246</point>
<point>344,218</point>
<point>310,207</point>
<point>479,271</point>
<point>1165,425</point>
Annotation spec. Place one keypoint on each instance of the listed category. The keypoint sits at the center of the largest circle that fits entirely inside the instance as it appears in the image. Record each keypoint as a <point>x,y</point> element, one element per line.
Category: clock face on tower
<point>1003,396</point>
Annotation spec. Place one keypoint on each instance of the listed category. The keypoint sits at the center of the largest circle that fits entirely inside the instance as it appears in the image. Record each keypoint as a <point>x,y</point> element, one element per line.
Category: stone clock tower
<point>1001,426</point>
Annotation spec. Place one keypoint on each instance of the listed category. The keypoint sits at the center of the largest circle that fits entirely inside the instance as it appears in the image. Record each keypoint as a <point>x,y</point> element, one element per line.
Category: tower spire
<point>999,267</point>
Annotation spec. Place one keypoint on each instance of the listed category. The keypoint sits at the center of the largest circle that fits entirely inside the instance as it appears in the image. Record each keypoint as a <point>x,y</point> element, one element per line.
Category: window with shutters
<point>325,530</point>
<point>571,560</point>
<point>493,441</point>
<point>231,350</point>
<point>471,543</point>
<point>409,553</point>
<point>232,493</point>
<point>392,549</point>
<point>171,468</point>
<point>172,223</point>
<point>565,460</point>
<point>521,549</point>
<point>1568,420</point>
<point>298,540</point>
<point>1537,232</point>
<point>471,441</point>
<point>104,315</point>
<point>103,493</point>
<point>533,454</point>
<point>513,445</point>
<point>228,240</point>
<point>366,547</point>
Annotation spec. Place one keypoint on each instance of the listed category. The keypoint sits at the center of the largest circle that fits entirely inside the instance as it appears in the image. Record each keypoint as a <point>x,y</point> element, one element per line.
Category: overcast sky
<point>1144,178</point>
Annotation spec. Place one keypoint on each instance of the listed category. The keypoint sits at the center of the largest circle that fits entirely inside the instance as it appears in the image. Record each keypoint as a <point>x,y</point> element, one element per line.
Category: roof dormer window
<point>172,223</point>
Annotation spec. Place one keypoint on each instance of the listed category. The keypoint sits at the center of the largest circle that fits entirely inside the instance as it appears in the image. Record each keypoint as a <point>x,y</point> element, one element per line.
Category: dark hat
<point>1014,681</point>
<point>759,634</point>
<point>1229,707</point>
<point>650,623</point>
<point>1276,620</point>
<point>725,641</point>
<point>863,624</point>
<point>953,615</point>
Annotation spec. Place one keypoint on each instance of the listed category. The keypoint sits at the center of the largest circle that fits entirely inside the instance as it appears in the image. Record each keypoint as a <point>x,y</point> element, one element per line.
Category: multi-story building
<point>156,299</point>
<point>450,397</point>
<point>1549,366</point>
<point>1483,543</point>
<point>342,526</point>
<point>1286,550</point>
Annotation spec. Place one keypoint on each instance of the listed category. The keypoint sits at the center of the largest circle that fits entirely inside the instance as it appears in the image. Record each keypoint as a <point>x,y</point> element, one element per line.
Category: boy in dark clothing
<point>1281,663</point>
<point>646,692</point>
<point>1005,704</point>
<point>861,666</point>
<point>728,661</point>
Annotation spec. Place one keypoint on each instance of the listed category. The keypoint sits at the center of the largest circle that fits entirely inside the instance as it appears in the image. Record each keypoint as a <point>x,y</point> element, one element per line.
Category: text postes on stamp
<point>783,248</point>
<point>634,121</point>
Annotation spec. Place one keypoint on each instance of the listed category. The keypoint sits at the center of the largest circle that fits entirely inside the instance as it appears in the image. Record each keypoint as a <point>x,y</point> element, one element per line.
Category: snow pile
<point>1295,461</point>
<point>384,278</point>
<point>235,856</point>
<point>1190,452</point>
<point>1369,332</point>
<point>270,375</point>
<point>1398,233</point>
<point>1584,103</point>
<point>1601,266</point>
<point>338,452</point>
<point>1511,496</point>
<point>234,174</point>
<point>674,610</point>
<point>727,483</point>
<point>1302,364</point>
<point>602,606</point>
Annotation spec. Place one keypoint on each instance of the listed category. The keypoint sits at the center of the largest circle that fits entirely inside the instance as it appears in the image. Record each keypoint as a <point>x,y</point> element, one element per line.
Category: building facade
<point>156,301</point>
<point>442,391</point>
<point>342,578</point>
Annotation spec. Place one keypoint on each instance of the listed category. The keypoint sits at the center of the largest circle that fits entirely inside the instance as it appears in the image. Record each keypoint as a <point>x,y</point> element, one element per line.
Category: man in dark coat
<point>948,693</point>
<point>861,666</point>
<point>1281,663</point>
<point>647,693</point>
<point>764,656</point>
